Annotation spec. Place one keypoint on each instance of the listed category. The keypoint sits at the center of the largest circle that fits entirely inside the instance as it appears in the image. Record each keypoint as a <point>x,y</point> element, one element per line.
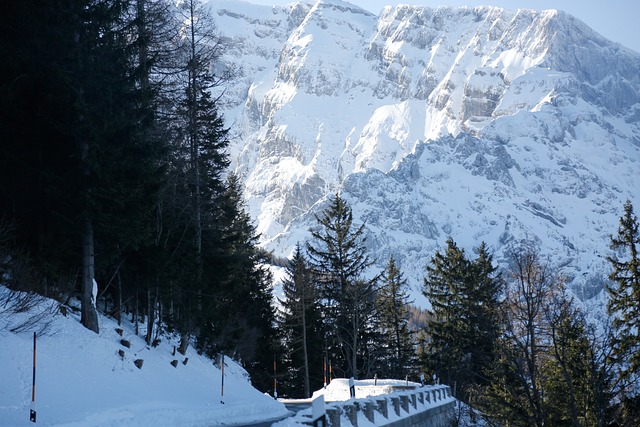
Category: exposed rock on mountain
<point>475,123</point>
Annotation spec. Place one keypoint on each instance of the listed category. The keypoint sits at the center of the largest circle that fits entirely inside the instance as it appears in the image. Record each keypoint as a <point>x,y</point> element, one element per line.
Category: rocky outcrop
<point>480,123</point>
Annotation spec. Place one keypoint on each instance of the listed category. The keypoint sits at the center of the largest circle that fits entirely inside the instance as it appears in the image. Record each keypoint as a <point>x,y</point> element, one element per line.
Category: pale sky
<point>617,20</point>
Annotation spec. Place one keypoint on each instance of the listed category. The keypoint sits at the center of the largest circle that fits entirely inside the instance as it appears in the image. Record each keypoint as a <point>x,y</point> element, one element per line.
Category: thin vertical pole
<point>275,380</point>
<point>32,412</point>
<point>222,382</point>
<point>330,371</point>
<point>324,371</point>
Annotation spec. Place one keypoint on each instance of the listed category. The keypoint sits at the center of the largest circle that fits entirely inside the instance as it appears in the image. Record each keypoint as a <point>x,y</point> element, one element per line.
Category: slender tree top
<point>337,246</point>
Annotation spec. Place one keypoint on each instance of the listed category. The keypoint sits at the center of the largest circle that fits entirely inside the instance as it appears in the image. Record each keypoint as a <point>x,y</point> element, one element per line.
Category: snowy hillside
<point>475,123</point>
<point>83,381</point>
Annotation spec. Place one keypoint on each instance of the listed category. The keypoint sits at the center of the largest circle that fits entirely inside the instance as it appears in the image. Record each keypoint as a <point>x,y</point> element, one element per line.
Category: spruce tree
<point>153,28</point>
<point>196,191</point>
<point>566,373</point>
<point>393,309</point>
<point>300,326</point>
<point>482,302</point>
<point>236,315</point>
<point>624,292</point>
<point>339,258</point>
<point>463,327</point>
<point>443,286</point>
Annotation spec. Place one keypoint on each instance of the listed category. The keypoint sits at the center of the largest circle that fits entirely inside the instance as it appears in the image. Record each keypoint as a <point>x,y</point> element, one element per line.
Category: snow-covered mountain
<point>482,124</point>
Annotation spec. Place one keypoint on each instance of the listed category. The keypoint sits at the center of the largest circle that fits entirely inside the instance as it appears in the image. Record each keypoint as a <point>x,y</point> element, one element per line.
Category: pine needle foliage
<point>339,258</point>
<point>393,309</point>
<point>463,327</point>
<point>624,292</point>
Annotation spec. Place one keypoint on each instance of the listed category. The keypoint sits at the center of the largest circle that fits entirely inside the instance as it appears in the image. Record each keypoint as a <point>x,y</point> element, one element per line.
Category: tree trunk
<point>151,312</point>
<point>159,317</point>
<point>153,318</point>
<point>89,318</point>
<point>399,367</point>
<point>193,137</point>
<point>136,316</point>
<point>119,312</point>
<point>307,389</point>
<point>184,343</point>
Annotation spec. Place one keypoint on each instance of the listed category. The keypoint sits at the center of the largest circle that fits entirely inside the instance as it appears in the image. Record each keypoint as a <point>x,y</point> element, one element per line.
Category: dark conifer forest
<point>114,171</point>
<point>113,168</point>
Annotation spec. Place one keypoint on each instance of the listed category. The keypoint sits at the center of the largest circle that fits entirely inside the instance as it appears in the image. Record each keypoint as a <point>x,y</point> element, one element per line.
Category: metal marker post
<point>32,412</point>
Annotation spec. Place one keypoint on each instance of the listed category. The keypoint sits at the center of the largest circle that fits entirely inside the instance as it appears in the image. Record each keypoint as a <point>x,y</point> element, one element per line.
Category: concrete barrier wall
<point>429,406</point>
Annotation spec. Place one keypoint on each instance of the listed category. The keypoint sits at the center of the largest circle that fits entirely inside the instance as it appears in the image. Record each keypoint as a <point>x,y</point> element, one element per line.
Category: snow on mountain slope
<point>475,123</point>
<point>81,380</point>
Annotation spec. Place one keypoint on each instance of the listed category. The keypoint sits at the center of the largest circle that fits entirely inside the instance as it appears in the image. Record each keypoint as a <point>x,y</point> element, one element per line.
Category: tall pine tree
<point>443,286</point>
<point>624,292</point>
<point>566,372</point>
<point>198,170</point>
<point>462,330</point>
<point>300,324</point>
<point>393,309</point>
<point>339,258</point>
<point>237,315</point>
<point>482,302</point>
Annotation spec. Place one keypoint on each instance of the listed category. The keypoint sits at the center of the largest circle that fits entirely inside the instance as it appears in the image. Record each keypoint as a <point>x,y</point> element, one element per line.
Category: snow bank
<point>82,380</point>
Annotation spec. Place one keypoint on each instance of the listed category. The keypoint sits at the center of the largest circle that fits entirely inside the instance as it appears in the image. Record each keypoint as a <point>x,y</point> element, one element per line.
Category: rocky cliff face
<point>477,123</point>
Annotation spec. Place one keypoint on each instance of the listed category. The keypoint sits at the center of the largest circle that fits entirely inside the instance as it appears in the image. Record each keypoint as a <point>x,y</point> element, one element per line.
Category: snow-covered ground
<point>81,379</point>
<point>338,389</point>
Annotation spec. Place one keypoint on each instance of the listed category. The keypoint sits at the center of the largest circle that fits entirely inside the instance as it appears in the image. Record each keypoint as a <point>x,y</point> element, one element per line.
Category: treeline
<point>113,170</point>
<point>510,341</point>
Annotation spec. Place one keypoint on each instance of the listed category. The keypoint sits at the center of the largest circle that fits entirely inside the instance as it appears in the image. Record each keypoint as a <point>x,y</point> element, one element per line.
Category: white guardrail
<point>413,406</point>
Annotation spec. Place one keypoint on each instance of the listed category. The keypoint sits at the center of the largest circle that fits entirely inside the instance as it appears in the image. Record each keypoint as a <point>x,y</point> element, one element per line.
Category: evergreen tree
<point>393,309</point>
<point>445,276</point>
<point>462,329</point>
<point>603,386</point>
<point>237,316</point>
<point>154,29</point>
<point>301,326</point>
<point>339,259</point>
<point>481,300</point>
<point>100,178</point>
<point>193,206</point>
<point>624,292</point>
<point>359,326</point>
